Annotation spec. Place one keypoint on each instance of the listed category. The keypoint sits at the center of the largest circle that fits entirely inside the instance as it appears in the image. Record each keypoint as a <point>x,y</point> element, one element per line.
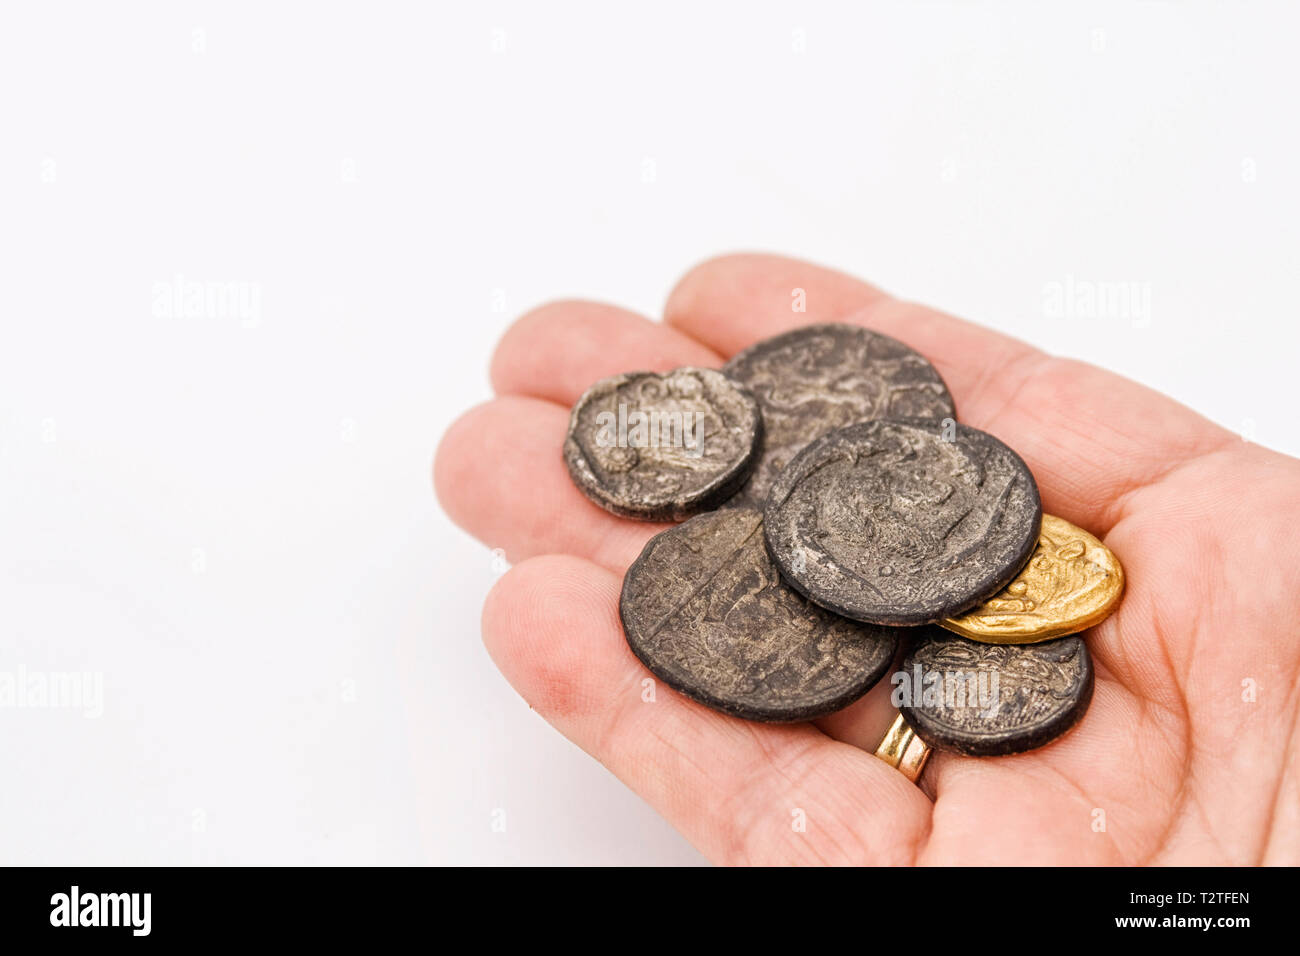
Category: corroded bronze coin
<point>896,522</point>
<point>988,700</point>
<point>1072,583</point>
<point>822,377</point>
<point>663,447</point>
<point>705,609</point>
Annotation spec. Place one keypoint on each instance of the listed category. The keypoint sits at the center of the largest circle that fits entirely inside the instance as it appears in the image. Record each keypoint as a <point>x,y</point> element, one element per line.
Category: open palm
<point>1188,752</point>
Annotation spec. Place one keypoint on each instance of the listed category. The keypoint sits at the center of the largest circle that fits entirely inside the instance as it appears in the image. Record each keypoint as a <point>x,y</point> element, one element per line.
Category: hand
<point>1185,762</point>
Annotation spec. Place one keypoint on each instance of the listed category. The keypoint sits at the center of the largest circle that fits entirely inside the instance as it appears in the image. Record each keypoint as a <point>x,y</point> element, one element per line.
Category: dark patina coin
<point>988,700</point>
<point>663,446</point>
<point>903,522</point>
<point>822,377</point>
<point>705,609</point>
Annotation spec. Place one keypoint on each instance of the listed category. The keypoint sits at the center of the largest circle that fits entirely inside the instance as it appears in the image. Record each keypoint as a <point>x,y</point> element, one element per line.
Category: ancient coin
<point>705,609</point>
<point>988,700</point>
<point>822,377</point>
<point>897,522</point>
<point>1071,583</point>
<point>663,446</point>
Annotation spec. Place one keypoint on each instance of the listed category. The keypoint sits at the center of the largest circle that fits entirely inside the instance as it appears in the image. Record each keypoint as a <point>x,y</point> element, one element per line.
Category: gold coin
<point>1071,582</point>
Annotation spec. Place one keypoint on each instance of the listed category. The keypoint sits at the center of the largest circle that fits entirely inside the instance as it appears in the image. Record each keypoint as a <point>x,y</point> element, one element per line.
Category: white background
<point>230,517</point>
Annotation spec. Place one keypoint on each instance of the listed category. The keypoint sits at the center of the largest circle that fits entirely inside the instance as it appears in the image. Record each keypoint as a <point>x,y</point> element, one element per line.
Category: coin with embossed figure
<point>816,379</point>
<point>903,522</point>
<point>706,611</point>
<point>989,700</point>
<point>663,446</point>
<point>1071,583</point>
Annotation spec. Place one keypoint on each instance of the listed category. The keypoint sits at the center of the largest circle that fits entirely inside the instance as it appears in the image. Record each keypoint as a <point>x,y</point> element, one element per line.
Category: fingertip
<point>558,350</point>
<point>708,278</point>
<point>495,453</point>
<point>451,467</point>
<point>510,362</point>
<point>550,625</point>
<point>732,300</point>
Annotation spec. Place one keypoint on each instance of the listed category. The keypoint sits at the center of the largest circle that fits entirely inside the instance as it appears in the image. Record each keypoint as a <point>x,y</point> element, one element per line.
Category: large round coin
<point>1072,583</point>
<point>988,700</point>
<point>705,609</point>
<point>663,446</point>
<point>822,377</point>
<point>896,522</point>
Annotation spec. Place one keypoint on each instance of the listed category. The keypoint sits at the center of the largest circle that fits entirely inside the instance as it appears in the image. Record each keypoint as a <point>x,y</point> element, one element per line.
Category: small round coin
<point>816,379</point>
<point>662,447</point>
<point>706,611</point>
<point>1071,583</point>
<point>903,522</point>
<point>989,700</point>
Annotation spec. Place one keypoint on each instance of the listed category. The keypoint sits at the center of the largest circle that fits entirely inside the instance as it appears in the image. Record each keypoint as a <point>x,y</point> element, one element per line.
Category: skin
<point>1185,770</point>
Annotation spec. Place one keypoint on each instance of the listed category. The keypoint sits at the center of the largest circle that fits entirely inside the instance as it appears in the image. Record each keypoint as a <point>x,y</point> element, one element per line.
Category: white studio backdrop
<point>216,510</point>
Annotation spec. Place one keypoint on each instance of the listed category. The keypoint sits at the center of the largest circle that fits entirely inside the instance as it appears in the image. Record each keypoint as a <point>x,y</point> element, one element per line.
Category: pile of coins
<point>835,515</point>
